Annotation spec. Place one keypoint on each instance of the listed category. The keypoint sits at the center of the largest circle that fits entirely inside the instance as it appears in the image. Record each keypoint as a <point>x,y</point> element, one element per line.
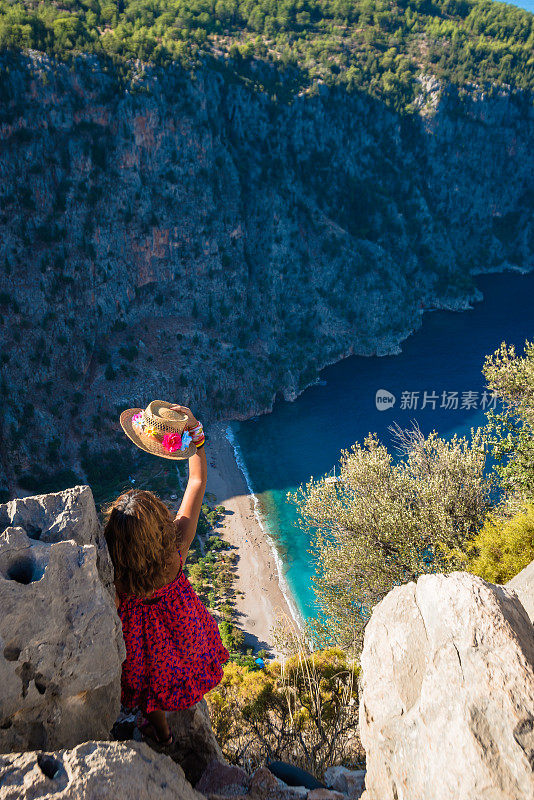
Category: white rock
<point>447,703</point>
<point>299,791</point>
<point>61,644</point>
<point>94,771</point>
<point>523,585</point>
<point>55,517</point>
<point>347,781</point>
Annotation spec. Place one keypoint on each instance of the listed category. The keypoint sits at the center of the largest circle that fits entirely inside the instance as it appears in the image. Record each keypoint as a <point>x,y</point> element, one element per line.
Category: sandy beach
<point>262,602</point>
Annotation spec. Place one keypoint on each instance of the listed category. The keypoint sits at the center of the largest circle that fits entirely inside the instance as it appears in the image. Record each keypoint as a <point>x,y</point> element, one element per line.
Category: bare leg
<point>158,720</point>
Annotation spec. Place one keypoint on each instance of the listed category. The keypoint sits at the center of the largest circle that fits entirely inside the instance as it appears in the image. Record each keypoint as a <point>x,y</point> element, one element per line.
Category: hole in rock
<point>25,672</point>
<point>34,531</point>
<point>24,570</point>
<point>11,653</point>
<point>40,683</point>
<point>5,724</point>
<point>48,765</point>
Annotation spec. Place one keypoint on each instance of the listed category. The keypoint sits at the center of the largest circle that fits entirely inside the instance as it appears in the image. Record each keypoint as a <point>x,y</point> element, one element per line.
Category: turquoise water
<point>281,450</point>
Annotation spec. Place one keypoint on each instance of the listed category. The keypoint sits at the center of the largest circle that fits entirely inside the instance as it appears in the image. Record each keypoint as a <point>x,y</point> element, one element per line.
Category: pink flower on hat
<point>172,442</point>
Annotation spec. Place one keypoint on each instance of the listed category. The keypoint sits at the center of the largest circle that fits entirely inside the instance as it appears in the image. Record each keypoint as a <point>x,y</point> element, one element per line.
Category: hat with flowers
<point>159,429</point>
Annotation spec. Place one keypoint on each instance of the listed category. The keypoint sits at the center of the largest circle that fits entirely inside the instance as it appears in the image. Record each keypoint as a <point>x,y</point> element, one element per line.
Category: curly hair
<point>141,539</point>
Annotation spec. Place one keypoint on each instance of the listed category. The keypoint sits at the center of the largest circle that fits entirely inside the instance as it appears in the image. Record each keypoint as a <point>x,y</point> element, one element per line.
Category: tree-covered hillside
<point>379,46</point>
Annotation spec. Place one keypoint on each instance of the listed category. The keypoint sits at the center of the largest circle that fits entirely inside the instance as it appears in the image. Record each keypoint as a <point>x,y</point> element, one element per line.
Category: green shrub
<point>503,547</point>
<point>225,629</point>
<point>509,433</point>
<point>302,711</point>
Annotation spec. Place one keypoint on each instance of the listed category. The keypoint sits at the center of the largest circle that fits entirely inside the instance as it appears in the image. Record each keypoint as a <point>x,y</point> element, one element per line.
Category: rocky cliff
<point>191,236</point>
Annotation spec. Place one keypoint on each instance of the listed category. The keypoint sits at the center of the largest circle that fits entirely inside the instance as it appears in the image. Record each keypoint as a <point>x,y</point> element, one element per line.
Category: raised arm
<point>187,516</point>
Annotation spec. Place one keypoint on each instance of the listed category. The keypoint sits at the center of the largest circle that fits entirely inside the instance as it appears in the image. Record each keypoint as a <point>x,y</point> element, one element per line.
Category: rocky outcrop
<point>61,644</point>
<point>70,514</point>
<point>221,778</point>
<point>194,238</point>
<point>523,585</point>
<point>447,703</point>
<point>132,771</point>
<point>94,771</point>
<point>195,745</point>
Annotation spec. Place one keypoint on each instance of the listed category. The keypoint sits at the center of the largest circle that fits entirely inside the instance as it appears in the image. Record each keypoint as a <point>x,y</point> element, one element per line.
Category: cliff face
<point>192,238</point>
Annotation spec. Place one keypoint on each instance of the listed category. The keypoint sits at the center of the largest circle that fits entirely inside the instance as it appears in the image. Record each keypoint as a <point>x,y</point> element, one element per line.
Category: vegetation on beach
<point>210,567</point>
<point>369,45</point>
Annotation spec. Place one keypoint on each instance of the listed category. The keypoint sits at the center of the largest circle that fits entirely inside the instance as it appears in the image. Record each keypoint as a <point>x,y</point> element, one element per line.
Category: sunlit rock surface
<point>447,707</point>
<point>61,644</point>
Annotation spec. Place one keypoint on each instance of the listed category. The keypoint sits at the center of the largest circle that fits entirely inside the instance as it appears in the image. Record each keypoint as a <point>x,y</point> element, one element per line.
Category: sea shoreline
<point>284,586</point>
<point>262,598</point>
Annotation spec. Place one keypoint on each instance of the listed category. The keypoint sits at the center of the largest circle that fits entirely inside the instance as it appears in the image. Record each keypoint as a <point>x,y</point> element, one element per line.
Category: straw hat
<point>147,429</point>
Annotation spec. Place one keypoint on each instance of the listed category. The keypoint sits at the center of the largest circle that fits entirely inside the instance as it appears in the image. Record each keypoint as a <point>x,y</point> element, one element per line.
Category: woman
<point>174,653</point>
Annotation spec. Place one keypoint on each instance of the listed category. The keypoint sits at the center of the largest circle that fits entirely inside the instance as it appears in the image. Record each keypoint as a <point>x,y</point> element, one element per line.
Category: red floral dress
<point>174,653</point>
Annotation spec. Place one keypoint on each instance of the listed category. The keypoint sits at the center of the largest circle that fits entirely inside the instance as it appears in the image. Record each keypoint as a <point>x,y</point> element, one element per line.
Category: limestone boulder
<point>61,644</point>
<point>223,780</point>
<point>55,517</point>
<point>523,585</point>
<point>350,782</point>
<point>94,771</point>
<point>447,693</point>
<point>195,746</point>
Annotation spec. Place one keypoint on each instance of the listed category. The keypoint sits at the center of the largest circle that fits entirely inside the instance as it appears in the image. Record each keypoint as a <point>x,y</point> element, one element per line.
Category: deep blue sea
<point>281,450</point>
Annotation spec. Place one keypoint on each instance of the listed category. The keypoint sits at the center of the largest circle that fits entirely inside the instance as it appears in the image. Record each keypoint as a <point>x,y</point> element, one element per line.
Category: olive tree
<point>509,434</point>
<point>386,520</point>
